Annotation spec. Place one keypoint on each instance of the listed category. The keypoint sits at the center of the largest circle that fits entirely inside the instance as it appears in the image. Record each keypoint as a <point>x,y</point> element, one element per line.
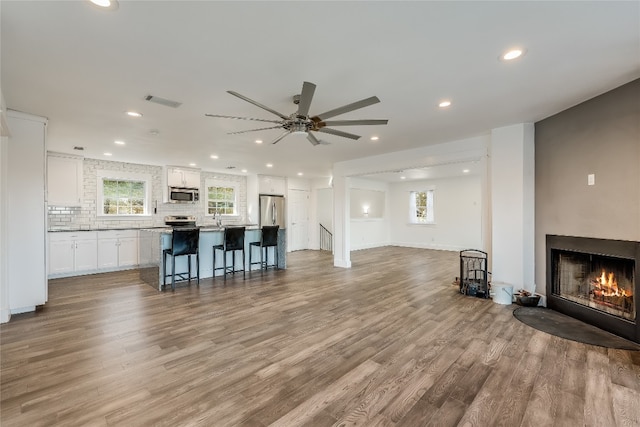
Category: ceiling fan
<point>301,123</point>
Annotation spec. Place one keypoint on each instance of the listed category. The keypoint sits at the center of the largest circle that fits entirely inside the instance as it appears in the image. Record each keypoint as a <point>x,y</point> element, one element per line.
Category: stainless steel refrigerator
<point>272,211</point>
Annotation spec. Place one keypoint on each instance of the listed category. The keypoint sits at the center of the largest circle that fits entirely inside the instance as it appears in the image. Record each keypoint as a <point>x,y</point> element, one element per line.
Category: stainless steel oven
<point>180,220</point>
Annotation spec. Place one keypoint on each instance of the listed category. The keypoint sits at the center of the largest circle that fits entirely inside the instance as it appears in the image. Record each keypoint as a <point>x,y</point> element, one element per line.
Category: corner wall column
<point>512,205</point>
<point>341,222</point>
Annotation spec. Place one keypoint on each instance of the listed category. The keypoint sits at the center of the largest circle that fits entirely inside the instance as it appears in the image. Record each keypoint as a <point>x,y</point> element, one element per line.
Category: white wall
<point>4,278</point>
<point>512,210</point>
<point>253,199</point>
<point>298,184</point>
<point>470,149</point>
<point>320,210</point>
<point>325,207</point>
<point>458,214</point>
<point>370,232</point>
<point>5,314</point>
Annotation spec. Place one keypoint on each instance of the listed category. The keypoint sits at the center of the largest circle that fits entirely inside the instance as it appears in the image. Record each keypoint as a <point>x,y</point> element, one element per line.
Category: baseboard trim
<point>434,246</point>
<point>341,263</point>
<point>5,316</point>
<point>21,310</point>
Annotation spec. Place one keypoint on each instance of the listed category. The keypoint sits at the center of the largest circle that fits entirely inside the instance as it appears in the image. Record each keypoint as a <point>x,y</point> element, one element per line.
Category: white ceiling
<point>83,68</point>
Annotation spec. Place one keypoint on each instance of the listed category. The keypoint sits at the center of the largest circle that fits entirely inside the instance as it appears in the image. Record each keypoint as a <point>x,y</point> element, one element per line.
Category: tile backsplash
<point>85,218</point>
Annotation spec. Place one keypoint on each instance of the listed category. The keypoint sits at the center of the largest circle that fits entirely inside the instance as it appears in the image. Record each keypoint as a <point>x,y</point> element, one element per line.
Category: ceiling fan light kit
<point>301,123</point>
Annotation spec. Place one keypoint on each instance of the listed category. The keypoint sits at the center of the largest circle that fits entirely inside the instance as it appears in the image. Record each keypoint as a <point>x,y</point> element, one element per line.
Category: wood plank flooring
<point>388,342</point>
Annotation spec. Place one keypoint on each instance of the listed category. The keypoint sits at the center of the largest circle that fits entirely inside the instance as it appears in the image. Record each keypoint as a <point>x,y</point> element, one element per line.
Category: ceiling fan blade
<point>280,137</point>
<point>346,108</point>
<point>312,138</point>
<point>353,122</point>
<point>339,133</point>
<point>254,130</point>
<point>241,118</point>
<point>306,96</point>
<point>257,104</point>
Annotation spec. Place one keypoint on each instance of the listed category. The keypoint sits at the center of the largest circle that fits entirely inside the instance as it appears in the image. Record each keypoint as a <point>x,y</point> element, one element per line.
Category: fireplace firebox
<point>594,280</point>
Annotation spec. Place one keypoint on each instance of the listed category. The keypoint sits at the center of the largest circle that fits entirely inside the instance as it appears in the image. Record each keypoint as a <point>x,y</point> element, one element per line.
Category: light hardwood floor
<point>388,342</point>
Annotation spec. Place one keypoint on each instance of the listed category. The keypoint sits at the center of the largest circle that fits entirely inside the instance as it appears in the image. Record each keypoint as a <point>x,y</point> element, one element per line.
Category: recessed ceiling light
<point>258,141</point>
<point>108,154</point>
<point>119,142</point>
<point>134,114</point>
<point>213,156</point>
<point>444,104</point>
<point>106,4</point>
<point>300,174</point>
<point>465,171</point>
<point>244,171</point>
<point>403,177</point>
<point>375,138</point>
<point>512,54</point>
<point>269,165</point>
<point>192,164</point>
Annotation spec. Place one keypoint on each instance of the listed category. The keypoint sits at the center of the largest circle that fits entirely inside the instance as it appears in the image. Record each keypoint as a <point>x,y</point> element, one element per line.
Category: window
<point>222,198</point>
<point>122,194</point>
<point>421,206</point>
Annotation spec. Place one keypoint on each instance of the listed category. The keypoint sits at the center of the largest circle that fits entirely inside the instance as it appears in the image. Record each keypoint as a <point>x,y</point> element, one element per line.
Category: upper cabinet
<point>64,180</point>
<point>181,177</point>
<point>275,185</point>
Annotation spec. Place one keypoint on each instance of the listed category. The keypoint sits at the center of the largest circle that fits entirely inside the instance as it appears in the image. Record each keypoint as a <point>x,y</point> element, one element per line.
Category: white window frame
<point>101,175</point>
<point>430,217</point>
<point>219,183</point>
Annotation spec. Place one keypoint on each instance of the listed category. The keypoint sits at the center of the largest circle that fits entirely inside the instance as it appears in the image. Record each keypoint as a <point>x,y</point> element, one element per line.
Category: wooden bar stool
<point>184,241</point>
<point>268,239</point>
<point>233,241</point>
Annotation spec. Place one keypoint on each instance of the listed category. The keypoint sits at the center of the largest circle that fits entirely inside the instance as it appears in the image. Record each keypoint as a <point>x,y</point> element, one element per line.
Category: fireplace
<point>594,280</point>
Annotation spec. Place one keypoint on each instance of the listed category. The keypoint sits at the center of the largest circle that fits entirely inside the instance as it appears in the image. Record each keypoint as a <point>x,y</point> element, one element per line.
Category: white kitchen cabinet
<point>61,255</point>
<point>64,180</point>
<point>181,177</point>
<point>86,256</point>
<point>275,185</point>
<point>117,249</point>
<point>72,252</point>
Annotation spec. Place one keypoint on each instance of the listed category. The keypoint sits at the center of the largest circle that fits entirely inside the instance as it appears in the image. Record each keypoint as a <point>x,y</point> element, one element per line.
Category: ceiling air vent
<point>162,101</point>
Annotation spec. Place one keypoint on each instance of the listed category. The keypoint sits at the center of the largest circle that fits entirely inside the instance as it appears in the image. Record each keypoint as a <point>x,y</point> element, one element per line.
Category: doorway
<point>298,234</point>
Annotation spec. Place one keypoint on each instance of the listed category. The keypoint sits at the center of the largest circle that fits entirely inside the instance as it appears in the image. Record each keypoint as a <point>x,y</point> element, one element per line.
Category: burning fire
<point>607,286</point>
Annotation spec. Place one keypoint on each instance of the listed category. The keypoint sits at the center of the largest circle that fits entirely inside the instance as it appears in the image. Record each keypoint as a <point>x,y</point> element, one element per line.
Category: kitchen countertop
<point>205,228</point>
<point>159,228</point>
<point>74,230</point>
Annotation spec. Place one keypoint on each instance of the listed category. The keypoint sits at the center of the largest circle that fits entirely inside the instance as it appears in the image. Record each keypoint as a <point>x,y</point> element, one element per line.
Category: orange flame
<point>607,285</point>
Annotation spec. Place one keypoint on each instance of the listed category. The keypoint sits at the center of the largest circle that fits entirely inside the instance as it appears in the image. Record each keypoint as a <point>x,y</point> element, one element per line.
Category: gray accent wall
<point>601,136</point>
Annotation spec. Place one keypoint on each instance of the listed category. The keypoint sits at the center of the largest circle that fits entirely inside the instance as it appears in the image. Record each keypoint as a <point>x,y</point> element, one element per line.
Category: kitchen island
<point>153,241</point>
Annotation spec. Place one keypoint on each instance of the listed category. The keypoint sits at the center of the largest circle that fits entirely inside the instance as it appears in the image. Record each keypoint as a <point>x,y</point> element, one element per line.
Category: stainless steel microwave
<point>183,195</point>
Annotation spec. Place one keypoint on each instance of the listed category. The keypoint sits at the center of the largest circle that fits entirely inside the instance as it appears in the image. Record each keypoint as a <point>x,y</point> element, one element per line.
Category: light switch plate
<point>591,179</point>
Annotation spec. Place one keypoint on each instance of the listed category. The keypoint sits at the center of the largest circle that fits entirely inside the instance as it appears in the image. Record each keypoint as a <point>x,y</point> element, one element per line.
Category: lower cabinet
<point>84,252</point>
<point>73,252</point>
<point>117,249</point>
